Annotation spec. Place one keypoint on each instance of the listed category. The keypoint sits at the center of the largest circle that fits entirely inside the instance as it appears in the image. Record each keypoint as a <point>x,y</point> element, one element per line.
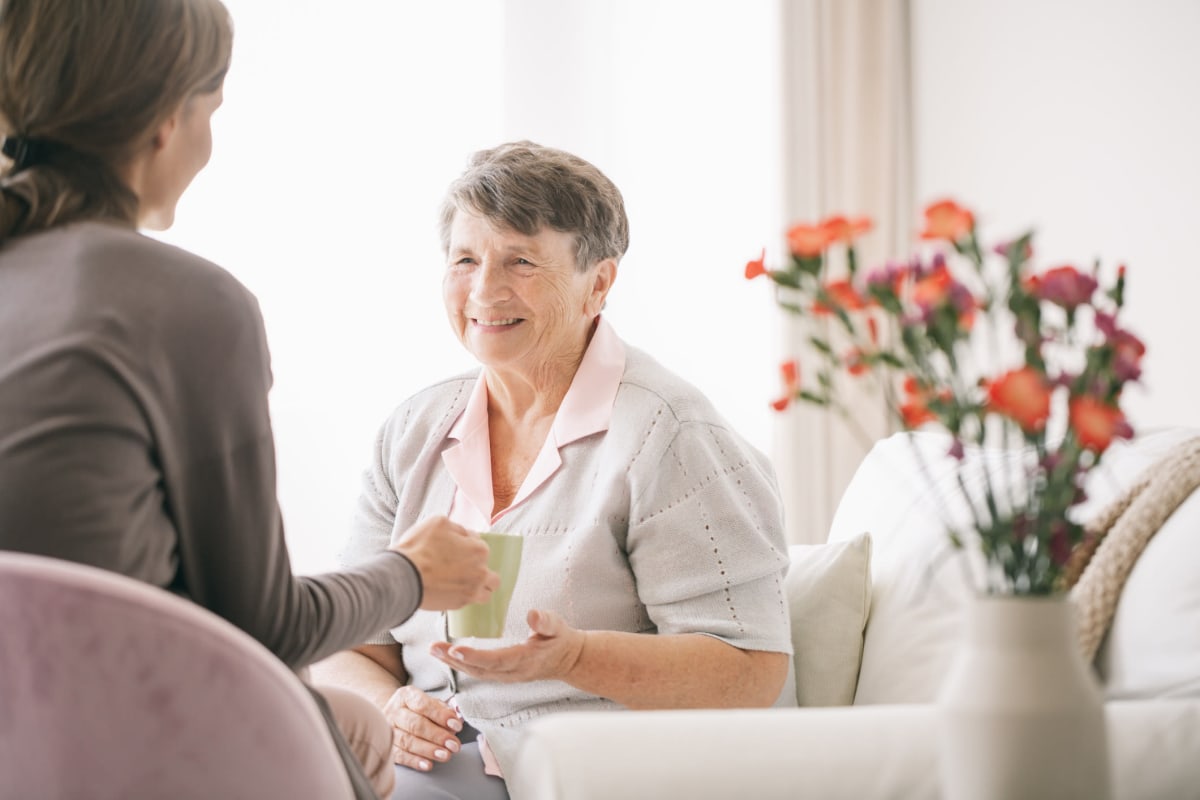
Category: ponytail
<point>84,84</point>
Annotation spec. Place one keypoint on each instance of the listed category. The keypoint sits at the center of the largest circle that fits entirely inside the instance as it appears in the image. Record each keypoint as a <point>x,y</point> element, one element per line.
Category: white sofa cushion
<point>903,493</point>
<point>825,753</point>
<point>829,596</point>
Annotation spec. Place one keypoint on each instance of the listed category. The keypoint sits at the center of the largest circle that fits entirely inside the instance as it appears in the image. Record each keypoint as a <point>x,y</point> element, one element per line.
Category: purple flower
<point>1063,286</point>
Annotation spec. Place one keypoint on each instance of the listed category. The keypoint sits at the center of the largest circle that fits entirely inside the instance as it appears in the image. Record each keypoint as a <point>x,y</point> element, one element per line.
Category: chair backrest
<point>110,688</point>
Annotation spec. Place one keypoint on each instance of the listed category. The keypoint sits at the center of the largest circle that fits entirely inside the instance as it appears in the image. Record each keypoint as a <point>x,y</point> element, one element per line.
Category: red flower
<point>807,241</point>
<point>1063,286</point>
<point>841,294</point>
<point>1128,349</point>
<point>947,220</point>
<point>1060,542</point>
<point>842,229</point>
<point>1022,395</point>
<point>790,372</point>
<point>757,267</point>
<point>1097,423</point>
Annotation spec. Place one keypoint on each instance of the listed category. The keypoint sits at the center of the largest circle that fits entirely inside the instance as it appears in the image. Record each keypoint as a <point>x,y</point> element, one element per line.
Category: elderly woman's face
<point>517,302</point>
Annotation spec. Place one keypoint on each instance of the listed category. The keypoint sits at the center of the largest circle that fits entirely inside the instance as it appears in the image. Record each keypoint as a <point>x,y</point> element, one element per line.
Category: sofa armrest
<point>885,751</point>
<point>846,752</point>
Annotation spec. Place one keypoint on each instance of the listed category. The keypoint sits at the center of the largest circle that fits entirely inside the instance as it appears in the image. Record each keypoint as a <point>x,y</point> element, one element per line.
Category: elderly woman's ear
<point>605,273</point>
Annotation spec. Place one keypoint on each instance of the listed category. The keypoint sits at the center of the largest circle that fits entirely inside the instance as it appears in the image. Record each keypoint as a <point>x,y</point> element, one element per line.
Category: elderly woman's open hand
<point>551,652</point>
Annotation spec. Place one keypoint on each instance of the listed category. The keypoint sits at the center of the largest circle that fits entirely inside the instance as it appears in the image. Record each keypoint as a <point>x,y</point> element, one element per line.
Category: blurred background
<point>721,121</point>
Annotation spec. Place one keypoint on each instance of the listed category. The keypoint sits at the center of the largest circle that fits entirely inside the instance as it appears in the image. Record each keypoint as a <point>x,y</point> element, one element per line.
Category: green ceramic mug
<point>486,620</point>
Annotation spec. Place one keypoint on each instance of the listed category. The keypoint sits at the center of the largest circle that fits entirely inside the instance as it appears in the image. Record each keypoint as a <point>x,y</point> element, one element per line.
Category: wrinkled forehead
<point>470,229</point>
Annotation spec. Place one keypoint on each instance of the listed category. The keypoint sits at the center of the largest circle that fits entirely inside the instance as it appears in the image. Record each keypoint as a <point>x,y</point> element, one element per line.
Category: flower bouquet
<point>978,342</point>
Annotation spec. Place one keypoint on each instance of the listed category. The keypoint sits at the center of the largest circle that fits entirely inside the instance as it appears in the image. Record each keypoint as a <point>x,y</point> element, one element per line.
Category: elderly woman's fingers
<point>410,750</point>
<point>549,653</point>
<point>486,664</point>
<point>423,729</point>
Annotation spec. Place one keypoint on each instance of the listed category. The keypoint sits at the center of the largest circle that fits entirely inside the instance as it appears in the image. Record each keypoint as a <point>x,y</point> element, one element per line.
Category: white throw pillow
<point>829,595</point>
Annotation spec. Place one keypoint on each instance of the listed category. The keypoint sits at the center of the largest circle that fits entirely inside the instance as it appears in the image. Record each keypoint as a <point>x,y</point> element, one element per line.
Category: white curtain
<point>847,149</point>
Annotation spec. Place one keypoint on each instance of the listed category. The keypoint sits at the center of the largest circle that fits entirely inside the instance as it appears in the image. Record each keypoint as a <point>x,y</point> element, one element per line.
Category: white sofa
<point>872,646</point>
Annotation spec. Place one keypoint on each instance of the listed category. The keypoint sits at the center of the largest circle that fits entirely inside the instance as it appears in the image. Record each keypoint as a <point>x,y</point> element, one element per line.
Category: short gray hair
<point>525,187</point>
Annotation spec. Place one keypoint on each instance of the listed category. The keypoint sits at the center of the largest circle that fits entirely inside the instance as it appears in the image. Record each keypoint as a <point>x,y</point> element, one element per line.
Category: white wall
<point>1080,119</point>
<point>344,122</point>
<point>677,101</point>
<point>342,125</point>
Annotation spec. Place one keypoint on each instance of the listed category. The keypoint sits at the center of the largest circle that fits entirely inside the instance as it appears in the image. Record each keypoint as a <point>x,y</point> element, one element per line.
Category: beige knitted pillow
<point>1123,529</point>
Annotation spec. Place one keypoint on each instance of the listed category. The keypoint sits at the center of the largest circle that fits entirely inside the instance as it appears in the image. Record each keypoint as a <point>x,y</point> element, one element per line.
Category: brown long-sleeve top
<point>135,436</point>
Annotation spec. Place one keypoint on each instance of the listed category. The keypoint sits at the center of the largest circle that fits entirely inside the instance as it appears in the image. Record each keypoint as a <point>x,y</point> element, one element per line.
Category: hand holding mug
<point>453,563</point>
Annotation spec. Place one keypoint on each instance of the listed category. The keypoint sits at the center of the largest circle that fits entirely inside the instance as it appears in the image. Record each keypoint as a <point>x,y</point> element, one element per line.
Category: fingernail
<point>455,653</point>
<point>454,724</point>
<point>423,765</point>
<point>441,754</point>
<point>452,745</point>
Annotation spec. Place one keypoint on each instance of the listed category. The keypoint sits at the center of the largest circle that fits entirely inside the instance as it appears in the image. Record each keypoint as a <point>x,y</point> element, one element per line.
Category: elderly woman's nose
<point>491,281</point>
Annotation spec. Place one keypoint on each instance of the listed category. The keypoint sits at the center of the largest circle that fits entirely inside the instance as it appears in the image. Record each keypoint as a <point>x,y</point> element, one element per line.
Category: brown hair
<point>525,187</point>
<point>86,83</point>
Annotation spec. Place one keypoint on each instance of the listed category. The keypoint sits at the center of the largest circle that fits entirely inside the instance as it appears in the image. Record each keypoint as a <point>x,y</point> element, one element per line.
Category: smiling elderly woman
<point>653,546</point>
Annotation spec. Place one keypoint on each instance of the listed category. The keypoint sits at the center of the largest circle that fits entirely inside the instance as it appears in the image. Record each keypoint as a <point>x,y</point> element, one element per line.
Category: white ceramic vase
<point>1020,714</point>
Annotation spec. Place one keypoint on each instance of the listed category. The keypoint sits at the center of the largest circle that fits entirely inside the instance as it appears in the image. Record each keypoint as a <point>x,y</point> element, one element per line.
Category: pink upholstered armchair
<point>113,689</point>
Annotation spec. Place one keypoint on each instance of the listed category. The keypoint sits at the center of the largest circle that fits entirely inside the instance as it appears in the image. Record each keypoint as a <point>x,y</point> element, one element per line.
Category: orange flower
<point>807,241</point>
<point>914,411</point>
<point>841,295</point>
<point>938,288</point>
<point>790,372</point>
<point>1022,395</point>
<point>856,364</point>
<point>757,267</point>
<point>1096,423</point>
<point>915,414</point>
<point>841,229</point>
<point>947,220</point>
<point>933,289</point>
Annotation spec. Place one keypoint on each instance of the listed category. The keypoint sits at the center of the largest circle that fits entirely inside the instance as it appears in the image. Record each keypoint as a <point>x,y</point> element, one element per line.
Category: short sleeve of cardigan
<point>706,542</point>
<point>374,515</point>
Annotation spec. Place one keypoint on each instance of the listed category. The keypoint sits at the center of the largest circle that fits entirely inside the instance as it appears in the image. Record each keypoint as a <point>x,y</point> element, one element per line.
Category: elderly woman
<point>653,547</point>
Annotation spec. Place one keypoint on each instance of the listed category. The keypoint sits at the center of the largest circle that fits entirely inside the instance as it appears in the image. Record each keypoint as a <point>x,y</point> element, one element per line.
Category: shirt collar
<point>586,409</point>
<point>587,406</point>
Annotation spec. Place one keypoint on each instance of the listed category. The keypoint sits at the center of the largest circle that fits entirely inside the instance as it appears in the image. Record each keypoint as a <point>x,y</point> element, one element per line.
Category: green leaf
<point>820,344</point>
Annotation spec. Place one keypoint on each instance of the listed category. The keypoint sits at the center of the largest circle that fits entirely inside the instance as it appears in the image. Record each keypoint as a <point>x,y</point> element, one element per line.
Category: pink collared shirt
<point>586,409</point>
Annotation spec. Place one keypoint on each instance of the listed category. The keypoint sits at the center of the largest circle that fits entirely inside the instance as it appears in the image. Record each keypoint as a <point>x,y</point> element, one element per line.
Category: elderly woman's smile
<point>520,303</point>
